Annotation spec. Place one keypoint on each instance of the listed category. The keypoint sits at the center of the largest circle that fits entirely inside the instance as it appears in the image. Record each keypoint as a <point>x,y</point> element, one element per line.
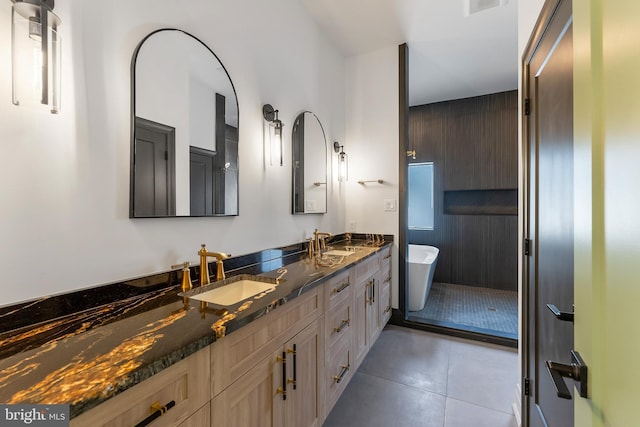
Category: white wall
<point>372,146</point>
<point>65,178</point>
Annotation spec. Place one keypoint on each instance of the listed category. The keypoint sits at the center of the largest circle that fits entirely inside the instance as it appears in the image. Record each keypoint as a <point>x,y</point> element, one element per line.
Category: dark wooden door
<point>154,169</point>
<point>549,225</point>
<point>202,177</point>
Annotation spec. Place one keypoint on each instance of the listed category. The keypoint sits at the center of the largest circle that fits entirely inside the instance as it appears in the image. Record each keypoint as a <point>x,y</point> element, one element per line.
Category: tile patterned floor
<point>416,378</point>
<point>491,311</point>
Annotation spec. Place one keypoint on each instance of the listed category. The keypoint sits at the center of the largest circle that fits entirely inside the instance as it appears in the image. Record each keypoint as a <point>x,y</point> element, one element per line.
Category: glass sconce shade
<point>273,136</point>
<point>343,162</point>
<point>35,53</point>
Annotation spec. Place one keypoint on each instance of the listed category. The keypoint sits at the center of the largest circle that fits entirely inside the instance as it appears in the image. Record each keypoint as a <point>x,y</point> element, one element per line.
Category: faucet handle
<point>186,275</point>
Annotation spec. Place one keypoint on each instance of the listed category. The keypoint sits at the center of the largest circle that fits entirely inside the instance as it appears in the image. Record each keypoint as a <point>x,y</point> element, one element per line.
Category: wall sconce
<point>343,162</point>
<point>35,53</point>
<point>273,135</point>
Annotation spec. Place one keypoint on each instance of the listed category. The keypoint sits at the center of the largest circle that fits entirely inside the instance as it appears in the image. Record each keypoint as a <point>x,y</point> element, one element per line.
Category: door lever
<point>560,315</point>
<point>577,370</point>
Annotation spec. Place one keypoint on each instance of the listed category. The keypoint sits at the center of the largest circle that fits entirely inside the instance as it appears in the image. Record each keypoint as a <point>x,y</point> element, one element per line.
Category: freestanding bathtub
<point>421,265</point>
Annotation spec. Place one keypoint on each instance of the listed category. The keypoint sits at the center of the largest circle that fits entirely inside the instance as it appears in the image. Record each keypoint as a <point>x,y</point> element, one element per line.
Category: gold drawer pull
<point>388,256</point>
<point>387,280</point>
<point>342,326</point>
<point>157,410</point>
<point>388,309</point>
<point>341,288</point>
<point>340,376</point>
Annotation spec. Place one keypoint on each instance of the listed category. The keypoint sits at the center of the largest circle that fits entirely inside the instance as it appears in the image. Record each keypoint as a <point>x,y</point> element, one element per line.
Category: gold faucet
<point>318,238</point>
<point>204,265</point>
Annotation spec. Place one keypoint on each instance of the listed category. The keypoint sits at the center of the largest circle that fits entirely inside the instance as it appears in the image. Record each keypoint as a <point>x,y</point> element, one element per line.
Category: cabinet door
<point>201,418</point>
<point>373,325</point>
<point>360,308</point>
<point>303,361</point>
<point>253,399</point>
<point>384,302</point>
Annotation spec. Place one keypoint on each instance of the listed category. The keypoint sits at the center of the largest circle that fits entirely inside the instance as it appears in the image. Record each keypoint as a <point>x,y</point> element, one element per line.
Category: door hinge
<point>527,107</point>
<point>527,387</point>
<point>527,247</point>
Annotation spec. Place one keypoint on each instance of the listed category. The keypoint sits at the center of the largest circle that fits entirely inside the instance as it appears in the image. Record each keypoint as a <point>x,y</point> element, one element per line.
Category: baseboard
<point>517,405</point>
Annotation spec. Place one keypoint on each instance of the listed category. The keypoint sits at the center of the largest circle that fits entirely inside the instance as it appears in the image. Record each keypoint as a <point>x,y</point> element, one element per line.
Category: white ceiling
<point>450,56</point>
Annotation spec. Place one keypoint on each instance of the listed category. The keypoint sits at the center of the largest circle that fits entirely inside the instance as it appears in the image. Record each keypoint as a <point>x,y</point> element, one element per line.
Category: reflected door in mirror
<point>154,149</point>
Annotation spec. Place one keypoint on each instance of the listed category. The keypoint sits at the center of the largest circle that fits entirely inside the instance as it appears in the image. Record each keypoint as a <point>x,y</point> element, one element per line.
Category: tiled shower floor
<point>489,311</point>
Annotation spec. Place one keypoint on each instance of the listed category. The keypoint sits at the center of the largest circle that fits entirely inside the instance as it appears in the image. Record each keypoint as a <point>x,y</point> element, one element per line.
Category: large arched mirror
<point>309,151</point>
<point>184,149</point>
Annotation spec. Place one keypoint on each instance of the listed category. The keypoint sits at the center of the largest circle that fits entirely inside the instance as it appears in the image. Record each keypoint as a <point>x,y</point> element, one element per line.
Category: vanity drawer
<point>338,323</point>
<point>385,302</point>
<point>337,371</point>
<point>185,383</point>
<point>238,352</point>
<point>385,259</point>
<point>366,268</point>
<point>338,289</point>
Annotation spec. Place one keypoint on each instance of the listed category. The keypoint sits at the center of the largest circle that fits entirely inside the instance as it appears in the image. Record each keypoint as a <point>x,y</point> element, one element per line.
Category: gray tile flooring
<point>490,311</point>
<point>415,378</point>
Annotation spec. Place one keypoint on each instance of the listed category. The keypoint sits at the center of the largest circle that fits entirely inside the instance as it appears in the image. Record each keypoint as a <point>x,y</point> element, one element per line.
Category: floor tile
<point>471,307</point>
<point>483,374</point>
<point>463,414</point>
<point>410,357</point>
<point>376,402</point>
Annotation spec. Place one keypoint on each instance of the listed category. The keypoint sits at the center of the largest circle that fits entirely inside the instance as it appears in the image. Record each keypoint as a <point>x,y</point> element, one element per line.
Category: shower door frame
<point>400,316</point>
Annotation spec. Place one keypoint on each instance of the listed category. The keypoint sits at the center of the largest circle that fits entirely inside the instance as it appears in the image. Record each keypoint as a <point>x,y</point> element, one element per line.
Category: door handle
<point>560,315</point>
<point>577,370</point>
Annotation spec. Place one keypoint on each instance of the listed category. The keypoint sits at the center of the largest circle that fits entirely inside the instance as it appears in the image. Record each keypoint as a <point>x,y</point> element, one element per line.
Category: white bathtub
<point>421,265</point>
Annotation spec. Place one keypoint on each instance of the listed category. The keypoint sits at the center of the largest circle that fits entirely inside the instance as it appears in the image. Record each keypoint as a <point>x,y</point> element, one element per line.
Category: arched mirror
<point>309,151</point>
<point>184,148</point>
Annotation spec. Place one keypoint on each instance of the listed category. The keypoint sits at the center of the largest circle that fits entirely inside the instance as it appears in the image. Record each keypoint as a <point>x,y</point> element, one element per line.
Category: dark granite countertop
<point>90,351</point>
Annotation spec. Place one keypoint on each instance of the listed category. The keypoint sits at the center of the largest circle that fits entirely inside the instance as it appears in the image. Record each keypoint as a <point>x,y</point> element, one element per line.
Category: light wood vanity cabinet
<point>240,380</point>
<point>339,322</point>
<point>186,383</point>
<point>281,389</point>
<point>372,302</point>
<point>385,277</point>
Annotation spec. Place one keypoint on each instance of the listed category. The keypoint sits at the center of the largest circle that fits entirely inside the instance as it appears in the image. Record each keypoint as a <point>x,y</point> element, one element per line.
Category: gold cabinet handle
<point>157,410</point>
<point>387,280</point>
<point>342,325</point>
<point>388,309</point>
<point>388,256</point>
<point>340,288</point>
<point>283,390</point>
<point>340,376</point>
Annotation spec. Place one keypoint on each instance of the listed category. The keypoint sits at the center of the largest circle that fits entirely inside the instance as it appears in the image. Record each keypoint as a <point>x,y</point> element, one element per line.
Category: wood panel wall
<point>473,143</point>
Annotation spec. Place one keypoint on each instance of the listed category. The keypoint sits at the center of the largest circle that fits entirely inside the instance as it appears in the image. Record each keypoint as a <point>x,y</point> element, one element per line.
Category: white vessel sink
<point>234,292</point>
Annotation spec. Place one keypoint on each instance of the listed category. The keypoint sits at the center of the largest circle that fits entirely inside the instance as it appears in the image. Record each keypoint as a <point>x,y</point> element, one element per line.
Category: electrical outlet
<point>389,205</point>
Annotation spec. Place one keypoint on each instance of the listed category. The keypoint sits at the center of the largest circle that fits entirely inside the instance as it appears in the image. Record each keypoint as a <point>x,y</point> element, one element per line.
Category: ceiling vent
<point>471,7</point>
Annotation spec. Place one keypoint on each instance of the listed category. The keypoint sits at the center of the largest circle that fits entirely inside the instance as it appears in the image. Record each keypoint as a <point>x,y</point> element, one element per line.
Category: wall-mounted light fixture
<point>343,162</point>
<point>273,135</point>
<point>35,53</point>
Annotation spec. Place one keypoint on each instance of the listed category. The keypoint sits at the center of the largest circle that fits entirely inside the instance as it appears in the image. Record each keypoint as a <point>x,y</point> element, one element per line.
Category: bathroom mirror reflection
<point>309,152</point>
<point>184,148</point>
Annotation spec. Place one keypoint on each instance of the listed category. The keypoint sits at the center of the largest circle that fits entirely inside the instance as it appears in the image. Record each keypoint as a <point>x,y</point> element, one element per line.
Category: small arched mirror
<point>309,151</point>
<point>184,148</point>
